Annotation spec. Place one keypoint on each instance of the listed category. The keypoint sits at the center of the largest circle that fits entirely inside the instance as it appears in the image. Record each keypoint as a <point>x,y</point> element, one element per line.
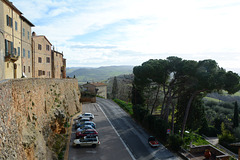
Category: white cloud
<point>190,29</point>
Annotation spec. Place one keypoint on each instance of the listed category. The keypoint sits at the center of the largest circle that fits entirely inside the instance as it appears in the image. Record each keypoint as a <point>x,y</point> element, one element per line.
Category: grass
<point>124,105</point>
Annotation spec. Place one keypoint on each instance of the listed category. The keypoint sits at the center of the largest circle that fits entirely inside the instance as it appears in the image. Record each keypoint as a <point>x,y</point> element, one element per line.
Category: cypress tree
<point>114,88</point>
<point>236,116</point>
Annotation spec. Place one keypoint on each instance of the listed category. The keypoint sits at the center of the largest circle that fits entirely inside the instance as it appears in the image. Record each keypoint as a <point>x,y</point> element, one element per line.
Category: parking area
<point>111,146</point>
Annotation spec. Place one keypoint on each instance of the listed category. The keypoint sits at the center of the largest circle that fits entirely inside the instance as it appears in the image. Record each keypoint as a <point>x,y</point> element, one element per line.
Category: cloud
<point>132,31</point>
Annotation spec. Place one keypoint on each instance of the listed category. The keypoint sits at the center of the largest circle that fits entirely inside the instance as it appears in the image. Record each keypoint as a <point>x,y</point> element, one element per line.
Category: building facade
<point>97,88</point>
<point>11,20</point>
<point>41,49</point>
<point>2,48</point>
<point>26,55</point>
<point>58,65</point>
<point>23,54</point>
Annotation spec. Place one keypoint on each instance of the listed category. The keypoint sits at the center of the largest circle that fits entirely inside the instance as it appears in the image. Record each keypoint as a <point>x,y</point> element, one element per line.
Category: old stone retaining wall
<point>33,112</point>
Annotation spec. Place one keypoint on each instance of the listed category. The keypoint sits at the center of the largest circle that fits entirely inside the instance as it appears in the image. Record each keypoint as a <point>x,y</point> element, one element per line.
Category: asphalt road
<point>121,138</point>
<point>134,137</point>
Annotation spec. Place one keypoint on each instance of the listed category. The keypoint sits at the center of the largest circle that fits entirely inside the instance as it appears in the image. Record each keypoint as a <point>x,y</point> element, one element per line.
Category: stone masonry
<point>33,112</point>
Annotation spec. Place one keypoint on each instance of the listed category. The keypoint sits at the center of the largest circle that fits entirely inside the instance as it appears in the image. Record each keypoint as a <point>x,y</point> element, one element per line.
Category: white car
<point>86,115</point>
<point>87,141</point>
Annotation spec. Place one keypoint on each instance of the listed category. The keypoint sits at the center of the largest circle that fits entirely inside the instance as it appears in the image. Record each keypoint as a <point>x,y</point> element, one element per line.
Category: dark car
<point>88,132</point>
<point>153,142</point>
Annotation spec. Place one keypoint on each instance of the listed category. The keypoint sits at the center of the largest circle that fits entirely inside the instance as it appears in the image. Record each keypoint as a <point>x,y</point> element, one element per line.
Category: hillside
<point>97,74</point>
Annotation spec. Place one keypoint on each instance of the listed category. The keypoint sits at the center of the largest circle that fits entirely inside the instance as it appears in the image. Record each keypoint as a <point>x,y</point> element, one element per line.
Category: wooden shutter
<point>6,47</point>
<point>11,48</point>
<point>7,20</point>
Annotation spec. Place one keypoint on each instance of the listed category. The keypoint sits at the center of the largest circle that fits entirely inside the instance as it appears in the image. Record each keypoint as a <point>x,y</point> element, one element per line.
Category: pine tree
<point>236,116</point>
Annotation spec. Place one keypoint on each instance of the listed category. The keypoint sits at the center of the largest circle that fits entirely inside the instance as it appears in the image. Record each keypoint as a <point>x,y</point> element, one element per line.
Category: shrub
<point>175,142</point>
<point>124,105</point>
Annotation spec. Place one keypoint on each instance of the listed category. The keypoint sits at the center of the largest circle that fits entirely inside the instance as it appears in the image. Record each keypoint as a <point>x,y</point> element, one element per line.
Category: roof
<point>10,4</point>
<point>57,52</point>
<point>42,36</point>
<point>97,84</point>
<point>25,19</point>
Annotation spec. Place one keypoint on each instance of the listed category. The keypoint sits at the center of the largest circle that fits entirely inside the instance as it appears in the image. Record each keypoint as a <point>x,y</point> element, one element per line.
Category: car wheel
<point>78,145</point>
<point>94,145</point>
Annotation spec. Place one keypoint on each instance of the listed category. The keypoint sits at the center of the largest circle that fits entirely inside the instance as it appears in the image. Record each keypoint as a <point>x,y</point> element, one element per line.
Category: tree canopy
<point>167,81</point>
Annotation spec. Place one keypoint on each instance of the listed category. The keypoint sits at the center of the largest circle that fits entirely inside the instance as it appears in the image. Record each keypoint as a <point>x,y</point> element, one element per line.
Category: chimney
<point>33,34</point>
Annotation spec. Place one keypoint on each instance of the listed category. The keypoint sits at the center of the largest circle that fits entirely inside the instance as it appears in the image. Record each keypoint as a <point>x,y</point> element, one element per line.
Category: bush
<point>175,142</point>
<point>124,105</point>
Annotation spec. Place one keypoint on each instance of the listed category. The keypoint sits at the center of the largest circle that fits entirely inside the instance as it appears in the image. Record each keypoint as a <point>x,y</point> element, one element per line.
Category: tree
<point>210,77</point>
<point>236,116</point>
<point>115,88</point>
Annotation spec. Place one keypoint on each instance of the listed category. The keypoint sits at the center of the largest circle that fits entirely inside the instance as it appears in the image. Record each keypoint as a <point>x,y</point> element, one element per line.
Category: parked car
<point>153,142</point>
<point>87,132</point>
<point>85,127</point>
<point>86,115</point>
<point>87,141</point>
<point>78,123</point>
<point>89,123</point>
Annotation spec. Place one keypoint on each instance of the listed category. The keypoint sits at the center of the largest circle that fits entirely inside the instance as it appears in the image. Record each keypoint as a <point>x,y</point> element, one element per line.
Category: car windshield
<point>87,114</point>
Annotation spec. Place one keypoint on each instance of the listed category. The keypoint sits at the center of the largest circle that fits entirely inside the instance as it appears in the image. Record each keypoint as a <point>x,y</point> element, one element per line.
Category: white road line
<point>117,134</point>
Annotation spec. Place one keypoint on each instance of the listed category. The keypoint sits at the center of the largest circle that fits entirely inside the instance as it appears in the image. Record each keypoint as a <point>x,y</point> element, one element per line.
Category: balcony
<point>11,57</point>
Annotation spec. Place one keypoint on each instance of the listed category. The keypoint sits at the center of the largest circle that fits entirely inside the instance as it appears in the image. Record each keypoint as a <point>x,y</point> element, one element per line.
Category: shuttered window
<point>8,48</point>
<point>9,21</point>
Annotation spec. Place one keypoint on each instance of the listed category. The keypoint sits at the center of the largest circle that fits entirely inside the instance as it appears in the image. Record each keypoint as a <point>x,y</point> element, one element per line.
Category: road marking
<point>117,134</point>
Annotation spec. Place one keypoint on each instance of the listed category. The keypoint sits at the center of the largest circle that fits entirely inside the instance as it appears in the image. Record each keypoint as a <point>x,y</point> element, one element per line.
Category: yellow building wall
<point>27,45</point>
<point>43,53</point>
<point>14,36</point>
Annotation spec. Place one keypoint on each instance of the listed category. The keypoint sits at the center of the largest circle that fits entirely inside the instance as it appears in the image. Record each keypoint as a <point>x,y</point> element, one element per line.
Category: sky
<point>94,33</point>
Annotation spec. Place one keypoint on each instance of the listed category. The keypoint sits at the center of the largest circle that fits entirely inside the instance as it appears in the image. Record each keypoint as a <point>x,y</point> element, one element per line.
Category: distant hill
<point>97,74</point>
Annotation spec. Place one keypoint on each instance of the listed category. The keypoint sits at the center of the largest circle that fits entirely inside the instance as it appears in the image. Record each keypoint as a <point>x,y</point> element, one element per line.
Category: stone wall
<point>33,116</point>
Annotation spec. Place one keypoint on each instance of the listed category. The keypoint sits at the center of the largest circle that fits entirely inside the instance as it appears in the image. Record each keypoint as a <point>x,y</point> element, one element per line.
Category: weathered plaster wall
<point>33,116</point>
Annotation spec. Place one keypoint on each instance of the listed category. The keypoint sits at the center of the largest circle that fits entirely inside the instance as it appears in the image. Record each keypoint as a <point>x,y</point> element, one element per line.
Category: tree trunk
<point>156,97</point>
<point>187,112</point>
<point>173,109</point>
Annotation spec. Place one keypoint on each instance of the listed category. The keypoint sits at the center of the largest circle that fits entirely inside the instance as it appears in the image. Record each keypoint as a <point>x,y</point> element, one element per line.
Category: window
<point>18,51</point>
<point>24,52</point>
<point>29,69</point>
<point>39,72</point>
<point>24,69</point>
<point>16,26</point>
<point>43,72</point>
<point>9,21</point>
<point>23,33</point>
<point>28,54</point>
<point>39,47</point>
<point>47,47</point>
<point>39,60</point>
<point>28,34</point>
<point>8,47</point>
<point>48,59</point>
<point>15,51</point>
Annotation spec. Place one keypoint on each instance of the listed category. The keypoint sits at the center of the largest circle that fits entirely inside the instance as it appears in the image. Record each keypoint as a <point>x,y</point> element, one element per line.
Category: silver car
<point>87,141</point>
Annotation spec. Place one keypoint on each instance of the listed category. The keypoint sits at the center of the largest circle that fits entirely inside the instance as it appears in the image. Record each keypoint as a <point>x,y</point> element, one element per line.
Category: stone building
<point>26,47</point>
<point>97,88</point>
<point>11,35</point>
<point>41,49</point>
<point>15,42</point>
<point>58,65</point>
<point>23,54</point>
